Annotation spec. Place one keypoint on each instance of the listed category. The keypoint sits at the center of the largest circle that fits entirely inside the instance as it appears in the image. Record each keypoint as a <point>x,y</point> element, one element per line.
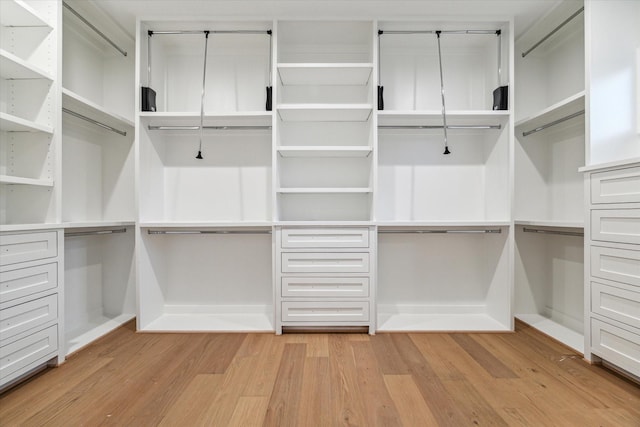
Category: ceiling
<point>525,12</point>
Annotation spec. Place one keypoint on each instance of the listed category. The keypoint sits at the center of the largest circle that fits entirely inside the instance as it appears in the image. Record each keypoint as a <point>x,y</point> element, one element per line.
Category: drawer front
<point>615,303</point>
<point>22,317</point>
<point>16,248</point>
<point>325,262</point>
<point>325,238</point>
<point>325,287</point>
<point>620,265</point>
<point>620,225</point>
<point>617,186</point>
<point>341,311</point>
<point>616,345</point>
<point>39,346</point>
<point>27,281</point>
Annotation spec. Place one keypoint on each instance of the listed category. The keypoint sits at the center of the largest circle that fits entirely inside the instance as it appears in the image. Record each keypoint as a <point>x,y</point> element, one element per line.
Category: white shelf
<point>212,322</point>
<point>97,224</point>
<point>188,118</point>
<point>353,74</point>
<point>551,224</point>
<point>9,123</point>
<point>80,105</point>
<point>555,330</point>
<point>13,67</point>
<point>559,110</point>
<point>438,322</point>
<point>16,13</point>
<point>7,179</point>
<point>434,118</point>
<point>28,227</point>
<point>266,225</point>
<point>426,224</point>
<point>625,163</point>
<point>325,112</point>
<point>79,338</point>
<point>315,190</point>
<point>324,151</point>
<point>319,223</point>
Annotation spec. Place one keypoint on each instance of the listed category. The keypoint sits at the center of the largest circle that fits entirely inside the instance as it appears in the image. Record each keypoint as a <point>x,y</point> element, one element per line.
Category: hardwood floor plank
<point>193,402</point>
<point>346,407</point>
<point>317,344</point>
<point>484,358</point>
<point>411,406</point>
<point>379,407</point>
<point>315,396</point>
<point>249,412</point>
<point>389,359</point>
<point>284,403</point>
<point>264,365</point>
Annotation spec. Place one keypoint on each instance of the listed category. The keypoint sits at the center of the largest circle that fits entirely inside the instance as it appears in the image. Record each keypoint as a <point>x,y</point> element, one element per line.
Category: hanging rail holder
<point>452,231</point>
<point>555,30</point>
<point>95,122</point>
<point>96,30</point>
<point>148,94</point>
<point>380,87</point>
<point>95,232</point>
<point>558,232</point>
<point>269,103</point>
<point>501,94</point>
<point>553,123</point>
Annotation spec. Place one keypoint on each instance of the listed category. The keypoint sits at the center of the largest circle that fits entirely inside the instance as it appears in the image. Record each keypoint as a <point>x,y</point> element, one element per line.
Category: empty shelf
<point>13,67</point>
<point>9,123</point>
<point>354,74</point>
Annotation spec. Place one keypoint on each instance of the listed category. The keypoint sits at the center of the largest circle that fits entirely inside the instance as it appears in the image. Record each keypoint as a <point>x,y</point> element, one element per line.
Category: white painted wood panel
<point>23,317</point>
<point>616,303</point>
<point>336,287</point>
<point>325,262</point>
<point>23,247</point>
<point>30,350</point>
<point>333,311</point>
<point>619,225</point>
<point>616,345</point>
<point>621,265</point>
<point>27,281</point>
<point>616,186</point>
<point>325,238</point>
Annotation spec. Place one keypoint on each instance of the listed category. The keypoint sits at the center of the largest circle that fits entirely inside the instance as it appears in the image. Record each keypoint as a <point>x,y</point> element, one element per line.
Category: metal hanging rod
<point>170,32</point>
<point>553,123</point>
<point>208,231</point>
<point>555,30</point>
<point>95,233</point>
<point>381,32</point>
<point>150,127</point>
<point>90,25</point>
<point>95,122</point>
<point>483,231</point>
<point>439,126</point>
<point>562,233</point>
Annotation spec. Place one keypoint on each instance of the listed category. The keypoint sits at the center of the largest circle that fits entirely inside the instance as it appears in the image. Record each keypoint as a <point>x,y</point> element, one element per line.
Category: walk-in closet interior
<point>361,166</point>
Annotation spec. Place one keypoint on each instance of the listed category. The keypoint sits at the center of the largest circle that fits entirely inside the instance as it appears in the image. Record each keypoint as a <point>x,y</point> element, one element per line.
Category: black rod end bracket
<point>199,156</point>
<point>446,150</point>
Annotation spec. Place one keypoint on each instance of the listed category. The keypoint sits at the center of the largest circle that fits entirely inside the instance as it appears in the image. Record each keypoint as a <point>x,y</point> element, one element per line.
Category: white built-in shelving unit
<point>98,191</point>
<point>549,150</point>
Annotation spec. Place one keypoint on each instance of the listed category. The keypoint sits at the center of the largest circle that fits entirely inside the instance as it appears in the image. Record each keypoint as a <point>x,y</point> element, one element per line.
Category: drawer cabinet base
<point>616,345</point>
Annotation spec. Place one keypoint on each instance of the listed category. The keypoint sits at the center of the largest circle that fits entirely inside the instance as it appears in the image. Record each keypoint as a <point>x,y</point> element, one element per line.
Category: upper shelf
<point>13,67</point>
<point>565,108</point>
<point>81,105</point>
<point>242,118</point>
<point>325,112</point>
<point>324,151</point>
<point>16,13</point>
<point>17,180</point>
<point>9,123</point>
<point>434,118</point>
<point>353,74</point>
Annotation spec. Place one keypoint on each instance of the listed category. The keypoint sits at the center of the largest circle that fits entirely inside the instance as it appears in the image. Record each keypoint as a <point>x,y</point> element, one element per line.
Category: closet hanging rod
<point>150,127</point>
<point>380,32</point>
<point>95,233</point>
<point>172,32</point>
<point>90,25</point>
<point>553,123</point>
<point>555,30</point>
<point>483,231</point>
<point>208,231</point>
<point>439,126</point>
<point>562,233</point>
<point>95,122</point>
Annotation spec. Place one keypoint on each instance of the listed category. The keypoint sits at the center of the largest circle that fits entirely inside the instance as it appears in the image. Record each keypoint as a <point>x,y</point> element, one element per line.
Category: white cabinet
<point>31,302</point>
<point>29,112</point>
<point>612,254</point>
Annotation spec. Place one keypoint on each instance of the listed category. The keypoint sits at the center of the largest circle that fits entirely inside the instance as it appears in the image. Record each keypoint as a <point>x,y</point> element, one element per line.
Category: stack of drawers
<point>29,300</point>
<point>614,266</point>
<point>324,277</point>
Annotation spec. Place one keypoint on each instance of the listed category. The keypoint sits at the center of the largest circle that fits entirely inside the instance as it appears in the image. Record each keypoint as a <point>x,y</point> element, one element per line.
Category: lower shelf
<point>223,320</point>
<point>410,322</point>
<point>80,337</point>
<point>555,330</point>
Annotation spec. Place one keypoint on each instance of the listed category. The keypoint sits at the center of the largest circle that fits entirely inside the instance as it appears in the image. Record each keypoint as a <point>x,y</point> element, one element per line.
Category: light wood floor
<point>129,379</point>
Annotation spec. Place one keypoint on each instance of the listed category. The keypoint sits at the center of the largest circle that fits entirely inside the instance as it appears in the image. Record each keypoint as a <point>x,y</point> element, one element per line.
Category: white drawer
<point>615,303</point>
<point>619,225</point>
<point>330,311</point>
<point>616,345</point>
<point>27,281</point>
<point>616,186</point>
<point>35,348</point>
<point>325,238</point>
<point>22,317</point>
<point>620,265</point>
<point>293,262</point>
<point>325,287</point>
<point>27,247</point>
